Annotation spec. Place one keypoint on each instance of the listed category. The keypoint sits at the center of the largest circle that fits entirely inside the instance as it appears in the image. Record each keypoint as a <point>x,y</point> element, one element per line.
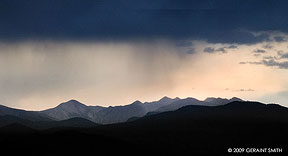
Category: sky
<point>115,52</point>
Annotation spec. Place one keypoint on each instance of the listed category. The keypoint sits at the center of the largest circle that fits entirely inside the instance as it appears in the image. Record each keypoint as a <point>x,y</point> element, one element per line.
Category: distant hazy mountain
<point>102,115</point>
<point>192,101</point>
<point>220,101</point>
<point>153,106</point>
<point>136,109</point>
<point>97,114</point>
<point>181,103</point>
<point>22,114</point>
<point>112,114</point>
<point>120,113</point>
<point>72,109</point>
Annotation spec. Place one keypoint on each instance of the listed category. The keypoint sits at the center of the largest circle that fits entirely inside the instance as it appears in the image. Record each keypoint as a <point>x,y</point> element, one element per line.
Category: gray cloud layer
<point>269,63</point>
<point>279,39</point>
<point>221,49</point>
<point>273,63</point>
<point>213,50</point>
<point>283,55</point>
<point>240,90</point>
<point>259,51</point>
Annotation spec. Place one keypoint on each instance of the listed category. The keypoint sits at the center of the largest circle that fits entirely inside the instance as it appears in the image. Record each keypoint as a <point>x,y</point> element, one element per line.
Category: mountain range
<point>190,130</point>
<point>109,115</point>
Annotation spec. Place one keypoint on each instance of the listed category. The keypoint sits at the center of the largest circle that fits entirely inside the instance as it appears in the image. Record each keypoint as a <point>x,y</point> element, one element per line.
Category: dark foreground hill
<point>186,131</point>
<point>23,114</point>
<point>7,120</point>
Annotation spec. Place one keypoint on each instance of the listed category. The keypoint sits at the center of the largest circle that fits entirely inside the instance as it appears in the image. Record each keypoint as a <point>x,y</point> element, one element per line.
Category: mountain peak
<point>213,99</point>
<point>165,98</point>
<point>136,102</point>
<point>71,103</point>
<point>209,99</point>
<point>235,99</point>
<point>177,98</point>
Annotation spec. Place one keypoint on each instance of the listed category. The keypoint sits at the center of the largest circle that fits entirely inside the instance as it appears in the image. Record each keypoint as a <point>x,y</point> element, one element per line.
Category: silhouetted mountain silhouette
<point>71,109</point>
<point>40,125</point>
<point>237,110</point>
<point>109,115</point>
<point>102,115</point>
<point>192,101</point>
<point>28,115</point>
<point>189,130</point>
<point>221,101</point>
<point>8,120</point>
<point>153,106</point>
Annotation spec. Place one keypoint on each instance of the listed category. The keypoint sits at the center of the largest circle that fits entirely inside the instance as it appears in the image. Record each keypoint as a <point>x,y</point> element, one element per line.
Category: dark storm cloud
<point>269,57</point>
<point>232,47</point>
<point>257,55</point>
<point>222,49</point>
<point>273,63</point>
<point>184,44</point>
<point>279,39</point>
<point>283,55</point>
<point>191,51</point>
<point>209,50</point>
<point>259,51</point>
<point>248,62</point>
<point>215,21</point>
<point>240,90</point>
<point>245,90</point>
<point>269,63</point>
<point>213,50</point>
<point>267,46</point>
